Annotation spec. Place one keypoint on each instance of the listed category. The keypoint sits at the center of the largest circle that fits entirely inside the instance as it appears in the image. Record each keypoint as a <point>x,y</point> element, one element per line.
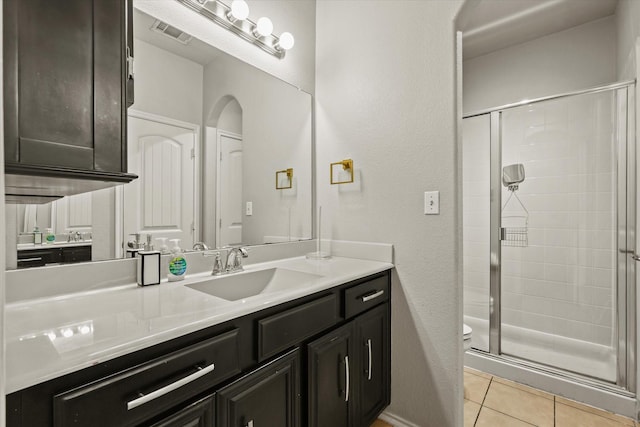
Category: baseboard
<point>395,420</point>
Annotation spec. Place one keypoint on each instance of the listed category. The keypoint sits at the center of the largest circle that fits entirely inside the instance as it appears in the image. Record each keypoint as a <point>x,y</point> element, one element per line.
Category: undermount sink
<point>251,283</point>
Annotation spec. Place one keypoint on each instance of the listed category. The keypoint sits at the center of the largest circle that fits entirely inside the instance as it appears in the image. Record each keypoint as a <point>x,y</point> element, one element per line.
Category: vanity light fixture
<point>235,18</point>
<point>347,166</point>
<point>239,10</point>
<point>264,28</point>
<point>289,173</point>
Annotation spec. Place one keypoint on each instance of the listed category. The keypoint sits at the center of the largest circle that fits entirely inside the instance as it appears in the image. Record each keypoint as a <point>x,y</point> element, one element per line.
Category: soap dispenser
<point>177,262</point>
<point>162,245</point>
<point>50,237</point>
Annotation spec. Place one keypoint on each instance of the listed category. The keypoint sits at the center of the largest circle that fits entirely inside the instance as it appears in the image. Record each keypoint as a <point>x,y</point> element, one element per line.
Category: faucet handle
<point>217,265</point>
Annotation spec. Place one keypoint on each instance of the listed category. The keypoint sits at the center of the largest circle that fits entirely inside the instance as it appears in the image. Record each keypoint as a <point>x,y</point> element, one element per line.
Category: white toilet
<point>466,334</point>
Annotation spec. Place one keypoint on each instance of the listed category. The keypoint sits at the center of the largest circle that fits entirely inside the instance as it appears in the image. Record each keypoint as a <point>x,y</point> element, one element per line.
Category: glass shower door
<point>560,232</point>
<point>476,227</point>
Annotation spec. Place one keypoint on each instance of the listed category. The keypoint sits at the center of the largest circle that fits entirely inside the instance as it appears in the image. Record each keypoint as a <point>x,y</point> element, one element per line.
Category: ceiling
<point>489,25</point>
<point>195,50</point>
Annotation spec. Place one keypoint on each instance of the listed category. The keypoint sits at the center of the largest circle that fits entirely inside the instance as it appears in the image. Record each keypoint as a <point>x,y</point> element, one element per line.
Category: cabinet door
<point>331,382</point>
<point>64,83</point>
<point>267,397</point>
<point>76,254</point>
<point>374,348</point>
<point>199,414</point>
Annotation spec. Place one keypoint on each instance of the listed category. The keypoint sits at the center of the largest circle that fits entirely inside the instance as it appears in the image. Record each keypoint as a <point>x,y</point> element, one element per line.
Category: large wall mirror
<point>207,136</point>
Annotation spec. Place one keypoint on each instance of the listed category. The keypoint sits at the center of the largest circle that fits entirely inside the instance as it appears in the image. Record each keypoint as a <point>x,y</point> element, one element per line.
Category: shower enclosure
<point>549,234</point>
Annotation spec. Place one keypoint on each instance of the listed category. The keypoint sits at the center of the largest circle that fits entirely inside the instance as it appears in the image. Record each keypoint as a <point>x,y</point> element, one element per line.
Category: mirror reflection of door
<point>229,188</point>
<point>73,214</point>
<point>161,201</point>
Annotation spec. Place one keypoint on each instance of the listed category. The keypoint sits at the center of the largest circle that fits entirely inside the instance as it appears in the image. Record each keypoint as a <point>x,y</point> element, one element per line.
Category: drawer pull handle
<point>346,371</point>
<point>370,360</point>
<point>169,388</point>
<point>373,296</point>
<point>30,259</point>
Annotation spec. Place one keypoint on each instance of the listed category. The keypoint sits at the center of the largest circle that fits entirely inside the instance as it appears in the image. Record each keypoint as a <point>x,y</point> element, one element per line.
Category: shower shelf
<point>515,230</point>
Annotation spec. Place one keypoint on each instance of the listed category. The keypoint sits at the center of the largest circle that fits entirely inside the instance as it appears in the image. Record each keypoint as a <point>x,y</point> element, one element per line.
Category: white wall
<point>296,17</point>
<point>385,88</point>
<point>578,58</point>
<point>276,135</point>
<point>167,84</point>
<point>628,30</point>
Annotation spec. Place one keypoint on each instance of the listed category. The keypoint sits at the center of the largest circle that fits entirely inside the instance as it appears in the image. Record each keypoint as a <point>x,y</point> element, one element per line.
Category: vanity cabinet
<point>198,414</point>
<point>53,255</point>
<point>320,360</point>
<point>268,396</point>
<point>330,388</point>
<point>349,372</point>
<point>66,80</point>
<point>138,394</point>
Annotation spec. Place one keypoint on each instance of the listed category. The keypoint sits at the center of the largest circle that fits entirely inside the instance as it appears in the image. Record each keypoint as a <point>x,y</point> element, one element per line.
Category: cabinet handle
<point>30,259</point>
<point>373,296</point>
<point>346,371</point>
<point>370,360</point>
<point>169,388</point>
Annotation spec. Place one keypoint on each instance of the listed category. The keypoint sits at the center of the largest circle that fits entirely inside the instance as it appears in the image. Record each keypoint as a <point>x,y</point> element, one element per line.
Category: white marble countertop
<point>50,337</point>
<point>32,246</point>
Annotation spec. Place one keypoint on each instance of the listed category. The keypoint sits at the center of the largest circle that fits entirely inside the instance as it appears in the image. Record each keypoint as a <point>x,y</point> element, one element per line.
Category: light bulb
<point>264,27</point>
<point>239,9</point>
<point>286,41</point>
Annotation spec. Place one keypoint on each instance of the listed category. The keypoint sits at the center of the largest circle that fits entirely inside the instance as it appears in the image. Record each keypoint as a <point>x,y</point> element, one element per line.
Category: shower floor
<point>560,352</point>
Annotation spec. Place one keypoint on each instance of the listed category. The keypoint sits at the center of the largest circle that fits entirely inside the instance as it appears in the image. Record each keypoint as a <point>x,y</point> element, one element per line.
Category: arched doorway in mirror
<point>223,175</point>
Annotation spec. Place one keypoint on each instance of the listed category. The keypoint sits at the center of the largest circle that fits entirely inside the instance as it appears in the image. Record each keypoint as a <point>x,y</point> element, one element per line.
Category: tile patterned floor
<point>490,401</point>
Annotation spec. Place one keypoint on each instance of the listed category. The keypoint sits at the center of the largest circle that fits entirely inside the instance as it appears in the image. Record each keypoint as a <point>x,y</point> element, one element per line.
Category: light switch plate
<point>431,202</point>
<point>249,209</point>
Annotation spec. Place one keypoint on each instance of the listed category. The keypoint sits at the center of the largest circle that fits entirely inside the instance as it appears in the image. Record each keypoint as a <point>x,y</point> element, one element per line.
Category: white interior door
<point>73,213</point>
<point>229,189</point>
<point>161,201</point>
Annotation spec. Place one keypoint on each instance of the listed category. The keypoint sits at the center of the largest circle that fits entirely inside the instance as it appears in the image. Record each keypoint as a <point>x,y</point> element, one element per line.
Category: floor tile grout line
<point>487,391</point>
<point>591,413</point>
<point>482,404</point>
<point>513,416</point>
<point>509,415</point>
<point>553,397</point>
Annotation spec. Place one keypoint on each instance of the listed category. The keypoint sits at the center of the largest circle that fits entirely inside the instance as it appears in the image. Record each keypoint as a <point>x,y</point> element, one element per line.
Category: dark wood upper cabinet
<point>67,86</point>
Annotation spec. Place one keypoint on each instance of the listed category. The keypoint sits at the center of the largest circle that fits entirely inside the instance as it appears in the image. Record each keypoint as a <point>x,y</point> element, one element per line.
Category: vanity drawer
<point>140,393</point>
<point>368,294</point>
<point>288,328</point>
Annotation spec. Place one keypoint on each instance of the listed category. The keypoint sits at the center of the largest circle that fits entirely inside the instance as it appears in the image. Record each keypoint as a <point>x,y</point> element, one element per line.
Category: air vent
<point>172,32</point>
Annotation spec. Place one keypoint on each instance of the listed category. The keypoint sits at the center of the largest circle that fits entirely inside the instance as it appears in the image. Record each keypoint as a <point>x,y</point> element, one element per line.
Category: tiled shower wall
<point>562,281</point>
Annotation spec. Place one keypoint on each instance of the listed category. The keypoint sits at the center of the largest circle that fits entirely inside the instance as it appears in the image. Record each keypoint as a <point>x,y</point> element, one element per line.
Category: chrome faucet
<point>234,259</point>
<point>74,236</point>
